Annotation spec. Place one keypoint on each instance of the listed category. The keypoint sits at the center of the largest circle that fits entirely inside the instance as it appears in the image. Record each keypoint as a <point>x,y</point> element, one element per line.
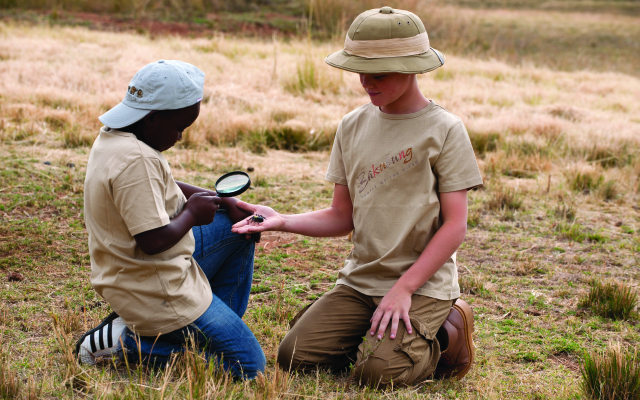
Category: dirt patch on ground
<point>569,361</point>
<point>272,240</point>
<point>204,27</point>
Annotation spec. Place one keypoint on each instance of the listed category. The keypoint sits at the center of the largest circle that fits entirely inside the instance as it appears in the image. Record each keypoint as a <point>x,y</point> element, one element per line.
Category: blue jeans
<point>227,260</point>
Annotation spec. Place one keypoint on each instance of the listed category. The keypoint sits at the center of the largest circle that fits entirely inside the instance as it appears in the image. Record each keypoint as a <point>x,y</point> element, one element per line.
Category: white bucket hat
<point>161,85</point>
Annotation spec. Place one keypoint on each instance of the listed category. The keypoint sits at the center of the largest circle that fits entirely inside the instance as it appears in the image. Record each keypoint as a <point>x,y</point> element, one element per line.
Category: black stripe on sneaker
<point>109,334</point>
<point>92,339</point>
<point>104,322</point>
<point>100,337</point>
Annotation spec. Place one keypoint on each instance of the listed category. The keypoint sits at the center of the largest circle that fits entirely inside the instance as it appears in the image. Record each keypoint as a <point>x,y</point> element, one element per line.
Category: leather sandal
<point>455,336</point>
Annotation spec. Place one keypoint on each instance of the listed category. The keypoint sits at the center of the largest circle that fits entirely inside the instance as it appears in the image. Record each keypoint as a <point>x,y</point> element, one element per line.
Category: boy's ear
<point>150,118</point>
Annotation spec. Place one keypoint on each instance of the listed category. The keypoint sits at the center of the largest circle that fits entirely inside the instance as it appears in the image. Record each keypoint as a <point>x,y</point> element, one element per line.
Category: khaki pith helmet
<point>387,40</point>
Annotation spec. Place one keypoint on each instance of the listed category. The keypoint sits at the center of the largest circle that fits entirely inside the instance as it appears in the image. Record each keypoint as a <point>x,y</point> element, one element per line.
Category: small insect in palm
<point>256,218</point>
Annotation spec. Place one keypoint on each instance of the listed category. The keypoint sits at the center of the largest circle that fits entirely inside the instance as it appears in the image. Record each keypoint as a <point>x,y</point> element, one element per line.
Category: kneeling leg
<point>409,358</point>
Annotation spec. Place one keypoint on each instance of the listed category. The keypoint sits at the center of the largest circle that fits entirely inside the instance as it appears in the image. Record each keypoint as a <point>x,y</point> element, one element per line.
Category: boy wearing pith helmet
<point>402,166</point>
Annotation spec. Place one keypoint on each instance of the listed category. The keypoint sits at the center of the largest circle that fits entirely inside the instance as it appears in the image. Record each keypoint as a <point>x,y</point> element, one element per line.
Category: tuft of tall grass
<point>609,190</point>
<point>610,299</point>
<point>585,180</point>
<point>565,211</point>
<point>306,77</point>
<point>503,198</point>
<point>589,179</point>
<point>274,388</point>
<point>530,267</point>
<point>205,378</point>
<point>613,374</point>
<point>579,233</point>
<point>612,154</point>
<point>291,136</point>
<point>472,284</point>
<point>10,385</point>
<point>75,136</point>
<point>309,77</point>
<point>74,376</point>
<point>69,321</point>
<point>484,142</point>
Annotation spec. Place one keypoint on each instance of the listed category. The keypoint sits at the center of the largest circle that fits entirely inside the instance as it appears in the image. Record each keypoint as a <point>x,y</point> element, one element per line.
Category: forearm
<point>329,222</point>
<point>188,189</point>
<point>441,247</point>
<point>161,239</point>
<point>395,305</point>
<point>336,220</point>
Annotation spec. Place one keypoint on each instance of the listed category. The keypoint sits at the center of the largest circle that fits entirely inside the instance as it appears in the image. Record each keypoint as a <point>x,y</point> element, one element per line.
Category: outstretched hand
<point>271,220</point>
<point>393,307</point>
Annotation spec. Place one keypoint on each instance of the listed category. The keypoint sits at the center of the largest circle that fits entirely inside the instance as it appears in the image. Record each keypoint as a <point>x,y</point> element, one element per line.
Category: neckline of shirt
<point>112,131</point>
<point>416,114</point>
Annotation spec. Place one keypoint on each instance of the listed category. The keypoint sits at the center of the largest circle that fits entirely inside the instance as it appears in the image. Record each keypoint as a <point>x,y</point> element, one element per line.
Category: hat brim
<point>122,115</point>
<point>415,64</point>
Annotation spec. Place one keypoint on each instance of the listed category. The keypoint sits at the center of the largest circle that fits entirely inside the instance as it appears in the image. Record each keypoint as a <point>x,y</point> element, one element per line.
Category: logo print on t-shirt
<point>365,177</point>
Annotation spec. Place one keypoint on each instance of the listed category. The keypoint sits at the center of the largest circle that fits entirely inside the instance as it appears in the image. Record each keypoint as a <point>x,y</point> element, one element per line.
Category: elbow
<point>150,247</point>
<point>347,229</point>
<point>150,250</point>
<point>457,230</point>
<point>345,233</point>
<point>153,252</point>
<point>461,231</point>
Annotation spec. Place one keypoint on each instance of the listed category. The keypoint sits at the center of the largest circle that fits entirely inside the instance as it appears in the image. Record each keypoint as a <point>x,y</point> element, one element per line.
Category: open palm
<point>271,220</point>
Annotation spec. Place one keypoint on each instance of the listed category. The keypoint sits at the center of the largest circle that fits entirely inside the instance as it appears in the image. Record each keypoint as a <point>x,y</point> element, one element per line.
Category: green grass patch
<point>613,374</point>
<point>578,233</point>
<point>610,299</point>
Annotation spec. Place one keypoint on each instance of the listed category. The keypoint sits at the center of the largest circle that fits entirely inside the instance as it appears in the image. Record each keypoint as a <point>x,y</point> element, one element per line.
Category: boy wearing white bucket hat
<point>170,270</point>
<point>402,166</point>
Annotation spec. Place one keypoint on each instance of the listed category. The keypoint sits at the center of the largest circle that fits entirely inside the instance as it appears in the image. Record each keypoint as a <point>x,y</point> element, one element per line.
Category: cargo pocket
<point>416,344</point>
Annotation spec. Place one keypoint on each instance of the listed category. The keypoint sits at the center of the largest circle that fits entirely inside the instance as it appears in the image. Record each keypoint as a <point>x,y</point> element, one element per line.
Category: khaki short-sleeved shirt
<point>394,167</point>
<point>129,189</point>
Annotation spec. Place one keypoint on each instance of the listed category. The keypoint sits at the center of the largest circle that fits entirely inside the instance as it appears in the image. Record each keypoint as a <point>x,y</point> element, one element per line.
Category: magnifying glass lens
<point>232,184</point>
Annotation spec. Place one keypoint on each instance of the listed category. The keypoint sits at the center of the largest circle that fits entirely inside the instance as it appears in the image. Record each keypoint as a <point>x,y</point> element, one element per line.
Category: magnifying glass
<point>232,184</point>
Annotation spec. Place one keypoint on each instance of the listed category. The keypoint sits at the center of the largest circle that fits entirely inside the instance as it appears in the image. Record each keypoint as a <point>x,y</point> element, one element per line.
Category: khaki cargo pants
<point>330,332</point>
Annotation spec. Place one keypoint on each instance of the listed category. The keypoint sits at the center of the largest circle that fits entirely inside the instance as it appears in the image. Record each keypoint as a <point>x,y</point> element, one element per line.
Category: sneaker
<point>455,337</point>
<point>103,340</point>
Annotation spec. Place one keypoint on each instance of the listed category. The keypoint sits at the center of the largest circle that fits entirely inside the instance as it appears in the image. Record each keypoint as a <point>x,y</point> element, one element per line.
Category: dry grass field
<point>559,151</point>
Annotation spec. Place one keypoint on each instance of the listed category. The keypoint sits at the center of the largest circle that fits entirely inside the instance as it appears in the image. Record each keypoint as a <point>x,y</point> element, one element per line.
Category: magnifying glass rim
<point>236,192</point>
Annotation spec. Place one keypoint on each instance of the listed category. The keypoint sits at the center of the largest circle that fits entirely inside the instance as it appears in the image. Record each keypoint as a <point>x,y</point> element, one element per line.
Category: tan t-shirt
<point>129,189</point>
<point>394,166</point>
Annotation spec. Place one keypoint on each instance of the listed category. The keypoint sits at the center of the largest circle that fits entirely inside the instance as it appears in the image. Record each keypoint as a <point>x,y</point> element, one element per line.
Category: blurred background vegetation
<point>301,7</point>
<point>562,34</point>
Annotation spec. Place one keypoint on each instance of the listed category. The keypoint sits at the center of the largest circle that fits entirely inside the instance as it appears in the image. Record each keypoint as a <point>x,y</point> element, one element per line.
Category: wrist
<point>404,286</point>
<point>189,217</point>
<point>286,224</point>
